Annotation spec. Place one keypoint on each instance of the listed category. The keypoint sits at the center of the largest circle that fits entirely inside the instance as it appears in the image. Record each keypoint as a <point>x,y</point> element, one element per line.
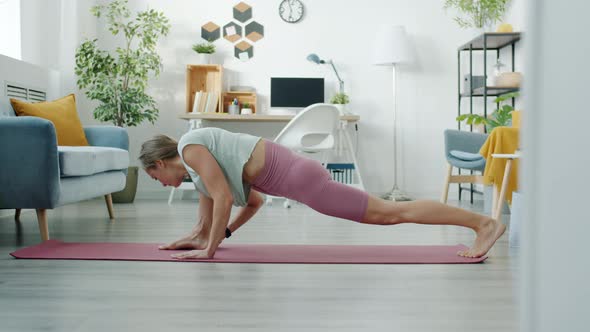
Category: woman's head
<point>159,158</point>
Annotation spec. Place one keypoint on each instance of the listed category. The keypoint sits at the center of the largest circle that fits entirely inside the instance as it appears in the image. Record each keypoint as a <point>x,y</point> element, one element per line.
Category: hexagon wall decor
<point>243,50</point>
<point>210,32</point>
<point>232,32</point>
<point>242,12</point>
<point>254,31</point>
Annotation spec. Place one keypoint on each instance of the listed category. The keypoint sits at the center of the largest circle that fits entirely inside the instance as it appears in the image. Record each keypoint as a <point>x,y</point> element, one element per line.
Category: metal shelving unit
<point>484,42</point>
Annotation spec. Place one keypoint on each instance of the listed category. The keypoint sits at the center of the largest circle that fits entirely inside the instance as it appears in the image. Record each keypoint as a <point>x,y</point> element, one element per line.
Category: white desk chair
<point>312,130</point>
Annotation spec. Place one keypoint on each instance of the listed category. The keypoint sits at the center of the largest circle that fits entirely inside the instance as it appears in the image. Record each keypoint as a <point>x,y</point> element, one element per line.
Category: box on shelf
<point>203,88</point>
<point>478,82</point>
<point>244,97</point>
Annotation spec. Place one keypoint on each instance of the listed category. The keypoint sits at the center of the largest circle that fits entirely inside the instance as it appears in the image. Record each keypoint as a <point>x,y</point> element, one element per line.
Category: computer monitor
<point>296,92</point>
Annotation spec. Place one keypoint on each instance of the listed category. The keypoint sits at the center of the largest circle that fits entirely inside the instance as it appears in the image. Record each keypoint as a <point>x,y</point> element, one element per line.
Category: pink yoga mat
<point>254,253</point>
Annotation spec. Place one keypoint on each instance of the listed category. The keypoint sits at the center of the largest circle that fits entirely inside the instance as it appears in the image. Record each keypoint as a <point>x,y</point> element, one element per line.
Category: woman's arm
<point>255,202</point>
<point>200,159</point>
<point>199,235</point>
<point>205,217</point>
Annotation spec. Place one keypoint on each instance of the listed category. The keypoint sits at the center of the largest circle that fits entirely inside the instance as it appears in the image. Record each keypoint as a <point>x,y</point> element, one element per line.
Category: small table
<point>499,200</point>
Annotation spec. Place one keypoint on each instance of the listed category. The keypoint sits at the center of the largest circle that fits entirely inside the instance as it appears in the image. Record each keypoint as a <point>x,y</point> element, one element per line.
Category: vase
<point>341,108</point>
<point>204,58</point>
<point>127,195</point>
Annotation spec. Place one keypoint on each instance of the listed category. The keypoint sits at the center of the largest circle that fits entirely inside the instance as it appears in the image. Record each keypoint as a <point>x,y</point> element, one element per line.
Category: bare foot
<point>487,234</point>
<point>189,242</point>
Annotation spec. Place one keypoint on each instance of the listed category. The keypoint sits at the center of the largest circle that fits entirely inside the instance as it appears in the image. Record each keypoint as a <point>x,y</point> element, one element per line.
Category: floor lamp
<point>391,49</point>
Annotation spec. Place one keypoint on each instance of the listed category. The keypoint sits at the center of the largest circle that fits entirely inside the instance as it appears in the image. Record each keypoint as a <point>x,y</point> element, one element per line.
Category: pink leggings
<point>289,175</point>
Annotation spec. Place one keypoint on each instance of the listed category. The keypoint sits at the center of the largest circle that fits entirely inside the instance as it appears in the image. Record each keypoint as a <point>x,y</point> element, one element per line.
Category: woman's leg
<point>488,230</point>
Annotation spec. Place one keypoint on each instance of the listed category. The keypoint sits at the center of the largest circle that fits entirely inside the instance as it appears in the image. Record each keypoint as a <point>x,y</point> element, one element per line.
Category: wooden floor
<point>44,295</point>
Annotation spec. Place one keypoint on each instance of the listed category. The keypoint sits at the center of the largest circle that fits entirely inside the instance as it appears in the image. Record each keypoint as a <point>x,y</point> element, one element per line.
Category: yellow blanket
<point>501,140</point>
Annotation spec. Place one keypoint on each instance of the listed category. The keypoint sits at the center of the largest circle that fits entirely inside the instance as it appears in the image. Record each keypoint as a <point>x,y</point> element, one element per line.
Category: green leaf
<point>119,81</point>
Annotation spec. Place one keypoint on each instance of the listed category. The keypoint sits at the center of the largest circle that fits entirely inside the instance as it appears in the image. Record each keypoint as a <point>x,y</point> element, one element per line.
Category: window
<point>10,28</point>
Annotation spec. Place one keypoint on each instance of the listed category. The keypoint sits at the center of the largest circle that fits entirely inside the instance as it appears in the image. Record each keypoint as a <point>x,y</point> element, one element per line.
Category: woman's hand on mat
<point>188,242</point>
<point>199,254</point>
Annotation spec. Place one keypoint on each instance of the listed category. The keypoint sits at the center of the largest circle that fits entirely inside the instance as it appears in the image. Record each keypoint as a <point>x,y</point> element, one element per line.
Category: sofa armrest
<point>463,141</point>
<point>108,136</point>
<point>29,163</point>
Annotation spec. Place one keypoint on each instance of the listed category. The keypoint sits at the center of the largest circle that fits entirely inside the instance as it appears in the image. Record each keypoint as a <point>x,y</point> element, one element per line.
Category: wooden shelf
<point>243,98</point>
<point>208,78</point>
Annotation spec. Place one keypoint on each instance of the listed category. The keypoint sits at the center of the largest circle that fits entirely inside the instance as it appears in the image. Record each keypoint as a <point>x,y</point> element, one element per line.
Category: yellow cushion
<point>515,119</point>
<point>62,113</point>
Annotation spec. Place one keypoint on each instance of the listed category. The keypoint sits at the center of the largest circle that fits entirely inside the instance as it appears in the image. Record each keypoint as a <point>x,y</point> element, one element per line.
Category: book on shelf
<point>212,102</point>
<point>196,102</point>
<point>205,102</point>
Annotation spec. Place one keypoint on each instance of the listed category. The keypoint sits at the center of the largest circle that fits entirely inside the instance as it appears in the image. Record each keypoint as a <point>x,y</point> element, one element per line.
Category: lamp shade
<point>391,45</point>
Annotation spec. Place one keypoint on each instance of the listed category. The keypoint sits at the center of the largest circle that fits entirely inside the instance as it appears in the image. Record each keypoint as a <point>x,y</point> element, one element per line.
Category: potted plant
<point>205,52</point>
<point>118,80</point>
<point>340,100</point>
<point>478,14</point>
<point>500,117</point>
<point>246,109</point>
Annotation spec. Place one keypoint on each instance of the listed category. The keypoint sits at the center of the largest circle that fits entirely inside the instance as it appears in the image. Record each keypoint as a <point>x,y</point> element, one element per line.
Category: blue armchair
<point>38,174</point>
<point>462,151</point>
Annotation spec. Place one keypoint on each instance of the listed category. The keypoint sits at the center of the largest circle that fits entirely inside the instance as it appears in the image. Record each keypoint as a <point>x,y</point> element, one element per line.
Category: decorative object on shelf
<point>340,100</point>
<point>205,52</point>
<point>210,31</point>
<point>499,118</point>
<point>509,80</point>
<point>246,109</point>
<point>234,108</point>
<point>316,59</point>
<point>392,47</point>
<point>479,14</point>
<point>493,79</point>
<point>478,82</point>
<point>118,80</point>
<point>504,28</point>
<point>291,11</point>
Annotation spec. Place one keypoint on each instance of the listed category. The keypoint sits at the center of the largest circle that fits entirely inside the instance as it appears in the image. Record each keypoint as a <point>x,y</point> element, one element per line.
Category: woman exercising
<point>233,169</point>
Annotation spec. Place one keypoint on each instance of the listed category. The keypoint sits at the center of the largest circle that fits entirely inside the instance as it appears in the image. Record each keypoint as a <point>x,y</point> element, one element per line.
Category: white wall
<point>336,30</point>
<point>10,43</point>
<point>555,291</point>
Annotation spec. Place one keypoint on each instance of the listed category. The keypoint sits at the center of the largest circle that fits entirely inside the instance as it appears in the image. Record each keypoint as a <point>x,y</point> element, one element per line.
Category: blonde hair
<point>160,147</point>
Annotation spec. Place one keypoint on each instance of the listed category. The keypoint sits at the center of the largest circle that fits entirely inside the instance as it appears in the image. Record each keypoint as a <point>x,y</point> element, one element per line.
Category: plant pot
<point>127,195</point>
<point>204,58</point>
<point>342,108</point>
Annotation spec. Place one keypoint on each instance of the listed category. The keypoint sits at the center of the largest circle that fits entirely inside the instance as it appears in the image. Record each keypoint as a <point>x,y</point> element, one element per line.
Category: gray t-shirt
<point>231,150</point>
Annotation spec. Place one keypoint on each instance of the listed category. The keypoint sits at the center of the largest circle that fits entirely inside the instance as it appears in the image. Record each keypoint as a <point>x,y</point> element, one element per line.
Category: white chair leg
<point>171,196</point>
<point>356,163</point>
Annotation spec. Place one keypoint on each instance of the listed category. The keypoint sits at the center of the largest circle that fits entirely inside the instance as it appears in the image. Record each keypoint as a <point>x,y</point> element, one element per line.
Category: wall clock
<point>291,11</point>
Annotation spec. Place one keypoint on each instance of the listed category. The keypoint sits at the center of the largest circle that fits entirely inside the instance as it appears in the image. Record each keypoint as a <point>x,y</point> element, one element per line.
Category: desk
<point>196,121</point>
<point>199,117</point>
